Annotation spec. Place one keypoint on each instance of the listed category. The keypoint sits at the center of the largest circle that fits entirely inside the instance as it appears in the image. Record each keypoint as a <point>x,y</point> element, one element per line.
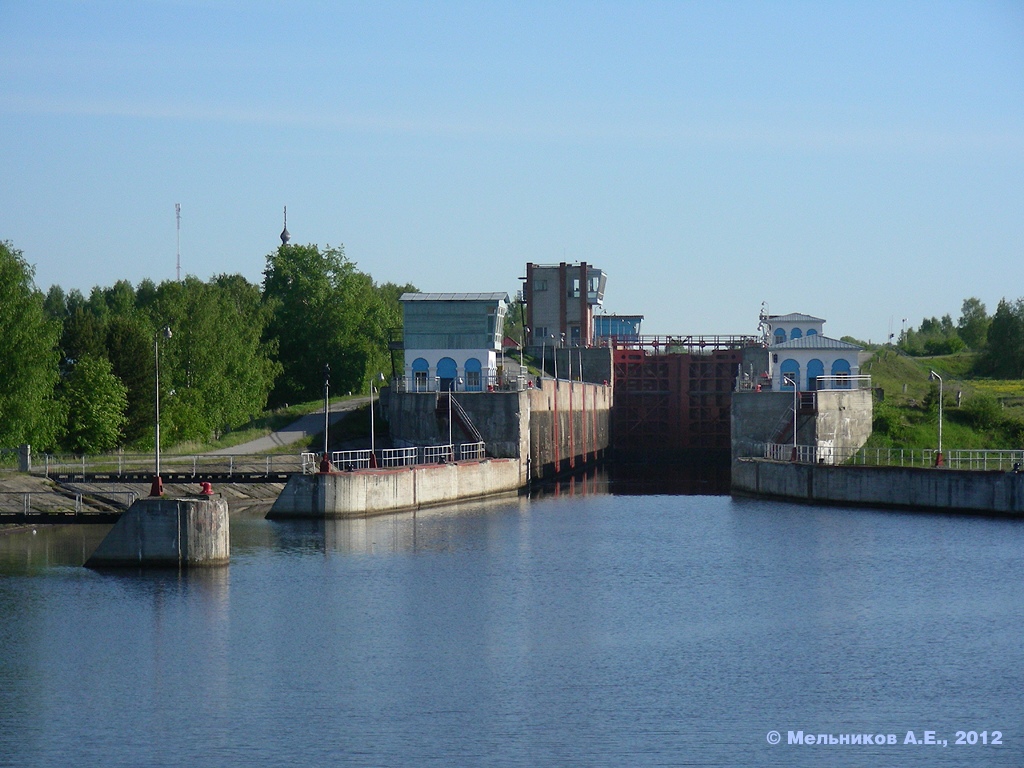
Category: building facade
<point>452,341</point>
<point>560,303</point>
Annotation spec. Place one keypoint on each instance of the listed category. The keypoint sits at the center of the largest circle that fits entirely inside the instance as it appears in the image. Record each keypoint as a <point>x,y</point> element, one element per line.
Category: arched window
<point>796,333</point>
<point>841,370</point>
<point>789,368</point>
<point>473,381</point>
<point>780,335</point>
<point>447,370</point>
<point>811,332</point>
<point>420,371</point>
<point>815,368</point>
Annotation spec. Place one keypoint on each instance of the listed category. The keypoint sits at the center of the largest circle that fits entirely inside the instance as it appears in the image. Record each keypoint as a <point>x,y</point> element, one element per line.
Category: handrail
<point>964,458</point>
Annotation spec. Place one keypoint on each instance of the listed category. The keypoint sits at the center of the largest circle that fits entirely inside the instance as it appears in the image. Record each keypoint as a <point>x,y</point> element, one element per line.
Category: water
<point>583,630</point>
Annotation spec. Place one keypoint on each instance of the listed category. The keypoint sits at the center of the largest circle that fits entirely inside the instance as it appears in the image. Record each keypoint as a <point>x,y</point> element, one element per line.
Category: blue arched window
<point>815,368</point>
<point>811,332</point>
<point>841,369</point>
<point>473,381</point>
<point>796,333</point>
<point>420,371</point>
<point>789,368</point>
<point>780,335</point>
<point>447,370</point>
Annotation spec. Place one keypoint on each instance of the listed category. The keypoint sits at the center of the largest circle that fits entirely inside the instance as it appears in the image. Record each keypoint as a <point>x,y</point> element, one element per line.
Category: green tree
<point>217,365</point>
<point>325,311</point>
<point>28,356</point>
<point>129,344</point>
<point>1005,352</point>
<point>973,323</point>
<point>95,402</point>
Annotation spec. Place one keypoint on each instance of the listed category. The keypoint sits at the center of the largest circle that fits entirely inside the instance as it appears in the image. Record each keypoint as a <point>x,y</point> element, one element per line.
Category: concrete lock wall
<point>569,425</point>
<point>553,426</point>
<point>842,420</point>
<point>164,532</point>
<point>378,491</point>
<point>896,487</point>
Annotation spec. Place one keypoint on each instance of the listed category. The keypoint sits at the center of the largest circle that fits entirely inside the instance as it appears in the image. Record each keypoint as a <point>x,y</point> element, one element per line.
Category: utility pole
<point>177,216</point>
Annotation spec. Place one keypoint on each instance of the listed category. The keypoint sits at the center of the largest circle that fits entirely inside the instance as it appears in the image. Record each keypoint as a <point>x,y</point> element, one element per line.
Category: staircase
<point>446,403</point>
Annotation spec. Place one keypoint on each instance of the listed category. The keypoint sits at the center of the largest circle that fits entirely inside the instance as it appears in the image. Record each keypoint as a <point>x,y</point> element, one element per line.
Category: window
<point>574,290</point>
<point>540,285</point>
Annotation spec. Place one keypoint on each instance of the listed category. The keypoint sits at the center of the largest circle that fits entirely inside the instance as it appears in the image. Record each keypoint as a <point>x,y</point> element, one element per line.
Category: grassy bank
<point>977,412</point>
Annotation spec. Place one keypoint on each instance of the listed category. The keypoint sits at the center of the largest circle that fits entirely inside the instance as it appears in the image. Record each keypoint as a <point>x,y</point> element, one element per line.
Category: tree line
<point>79,372</point>
<point>998,339</point>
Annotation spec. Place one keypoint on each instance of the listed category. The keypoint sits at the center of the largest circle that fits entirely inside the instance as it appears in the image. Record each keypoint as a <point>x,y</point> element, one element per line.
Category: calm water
<point>594,630</point>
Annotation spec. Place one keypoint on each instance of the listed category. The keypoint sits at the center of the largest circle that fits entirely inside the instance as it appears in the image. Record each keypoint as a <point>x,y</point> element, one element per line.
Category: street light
<point>932,376</point>
<point>327,389</point>
<point>373,432</point>
<point>157,488</point>
<point>789,380</point>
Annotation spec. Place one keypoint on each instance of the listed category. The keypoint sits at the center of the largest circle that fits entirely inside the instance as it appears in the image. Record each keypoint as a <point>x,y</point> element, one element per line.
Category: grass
<point>977,412</point>
<point>271,421</point>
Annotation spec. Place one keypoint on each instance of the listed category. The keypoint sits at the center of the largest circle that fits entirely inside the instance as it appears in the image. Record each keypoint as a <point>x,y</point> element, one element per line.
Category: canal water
<point>579,628</point>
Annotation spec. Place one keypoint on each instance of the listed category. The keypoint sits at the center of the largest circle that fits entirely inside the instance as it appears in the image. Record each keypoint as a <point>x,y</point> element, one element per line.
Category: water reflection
<point>46,546</point>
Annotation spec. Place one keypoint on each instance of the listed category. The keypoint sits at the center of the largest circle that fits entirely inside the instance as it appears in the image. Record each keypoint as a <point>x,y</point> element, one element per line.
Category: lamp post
<point>792,382</point>
<point>157,488</point>
<point>934,376</point>
<point>373,431</point>
<point>327,388</point>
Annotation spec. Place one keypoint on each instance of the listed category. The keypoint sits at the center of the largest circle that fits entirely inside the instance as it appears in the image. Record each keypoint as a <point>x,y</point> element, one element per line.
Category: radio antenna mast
<point>177,216</point>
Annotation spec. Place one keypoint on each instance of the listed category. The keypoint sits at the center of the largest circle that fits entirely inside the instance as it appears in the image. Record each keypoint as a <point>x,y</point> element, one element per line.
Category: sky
<point>862,162</point>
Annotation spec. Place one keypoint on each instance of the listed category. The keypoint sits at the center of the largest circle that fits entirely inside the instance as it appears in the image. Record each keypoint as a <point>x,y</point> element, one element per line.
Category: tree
<point>973,323</point>
<point>326,312</point>
<point>28,356</point>
<point>1004,355</point>
<point>95,401</point>
<point>217,364</point>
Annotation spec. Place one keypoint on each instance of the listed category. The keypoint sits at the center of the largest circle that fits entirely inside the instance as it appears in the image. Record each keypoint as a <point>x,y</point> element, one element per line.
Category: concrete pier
<point>913,488</point>
<point>163,532</point>
<point>378,491</point>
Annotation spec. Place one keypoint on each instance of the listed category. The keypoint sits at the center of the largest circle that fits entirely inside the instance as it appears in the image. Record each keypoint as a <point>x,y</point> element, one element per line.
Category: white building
<point>801,353</point>
<point>452,340</point>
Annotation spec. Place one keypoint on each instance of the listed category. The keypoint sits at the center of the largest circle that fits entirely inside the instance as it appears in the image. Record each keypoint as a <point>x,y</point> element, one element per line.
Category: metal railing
<point>969,459</point>
<point>351,459</point>
<point>396,457</point>
<point>438,454</point>
<point>472,451</point>
<point>829,383</point>
<point>486,383</point>
<point>195,465</point>
<point>28,502</point>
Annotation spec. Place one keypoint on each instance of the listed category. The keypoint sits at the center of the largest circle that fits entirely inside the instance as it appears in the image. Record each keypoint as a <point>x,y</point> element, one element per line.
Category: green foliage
<point>95,403</point>
<point>974,323</point>
<point>215,370</point>
<point>326,312</point>
<point>28,356</point>
<point>1004,356</point>
<point>982,411</point>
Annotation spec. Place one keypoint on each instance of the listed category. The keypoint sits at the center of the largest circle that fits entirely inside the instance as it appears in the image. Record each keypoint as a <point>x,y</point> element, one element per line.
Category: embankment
<point>914,488</point>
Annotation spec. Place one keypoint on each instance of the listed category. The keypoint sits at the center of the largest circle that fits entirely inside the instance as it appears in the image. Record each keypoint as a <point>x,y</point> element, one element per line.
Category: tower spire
<point>285,236</point>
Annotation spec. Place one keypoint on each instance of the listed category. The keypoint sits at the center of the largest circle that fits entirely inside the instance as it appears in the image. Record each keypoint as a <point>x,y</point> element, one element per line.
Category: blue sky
<point>863,162</point>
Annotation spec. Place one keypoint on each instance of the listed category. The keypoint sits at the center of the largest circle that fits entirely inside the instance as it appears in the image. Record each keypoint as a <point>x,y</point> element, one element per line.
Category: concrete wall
<point>569,425</point>
<point>897,487</point>
<point>378,491</point>
<point>163,532</point>
<point>842,421</point>
<point>553,427</point>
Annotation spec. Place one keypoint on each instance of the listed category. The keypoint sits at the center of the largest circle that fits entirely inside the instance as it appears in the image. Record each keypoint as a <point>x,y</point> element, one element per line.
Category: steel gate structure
<point>673,395</point>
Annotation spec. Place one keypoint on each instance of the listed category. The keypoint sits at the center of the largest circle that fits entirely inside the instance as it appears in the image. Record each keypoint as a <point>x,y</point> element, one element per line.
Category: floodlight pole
<point>938,458</point>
